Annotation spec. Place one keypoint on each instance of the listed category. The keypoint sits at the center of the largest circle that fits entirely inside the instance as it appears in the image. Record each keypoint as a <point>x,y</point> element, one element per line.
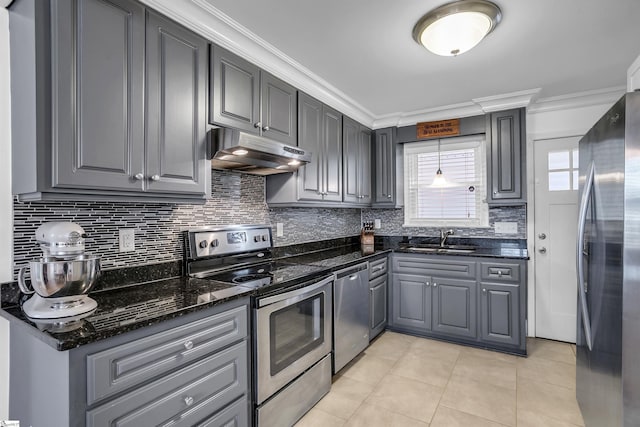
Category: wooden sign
<point>449,127</point>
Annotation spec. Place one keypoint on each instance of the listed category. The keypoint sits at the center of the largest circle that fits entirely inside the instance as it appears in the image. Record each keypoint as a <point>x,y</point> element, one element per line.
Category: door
<point>378,305</point>
<point>500,313</point>
<point>411,301</point>
<point>556,215</point>
<point>176,114</point>
<point>279,110</point>
<point>310,139</point>
<point>351,145</point>
<point>332,149</point>
<point>235,96</point>
<point>507,158</point>
<point>364,170</point>
<point>454,307</point>
<point>98,96</point>
<point>385,167</point>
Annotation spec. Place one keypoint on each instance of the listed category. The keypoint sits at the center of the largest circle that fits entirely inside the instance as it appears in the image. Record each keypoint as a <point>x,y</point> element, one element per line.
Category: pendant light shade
<point>457,27</point>
<point>439,181</point>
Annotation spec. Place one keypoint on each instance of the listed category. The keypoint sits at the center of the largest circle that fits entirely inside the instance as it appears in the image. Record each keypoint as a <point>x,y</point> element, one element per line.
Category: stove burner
<point>249,278</point>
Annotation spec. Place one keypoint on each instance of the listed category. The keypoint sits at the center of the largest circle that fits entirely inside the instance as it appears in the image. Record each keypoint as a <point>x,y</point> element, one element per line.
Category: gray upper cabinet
<point>384,168</point>
<point>356,162</point>
<point>247,98</point>
<point>101,134</point>
<point>507,164</point>
<point>320,181</point>
<point>176,105</point>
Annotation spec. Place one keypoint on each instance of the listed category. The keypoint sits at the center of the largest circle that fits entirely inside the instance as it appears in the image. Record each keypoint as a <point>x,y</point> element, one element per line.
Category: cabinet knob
<point>428,284</point>
<point>257,125</point>
<point>495,192</point>
<point>499,273</point>
<point>155,178</point>
<point>266,129</point>
<point>188,345</point>
<point>484,290</point>
<point>435,284</point>
<point>188,400</point>
<point>139,176</point>
<point>388,196</point>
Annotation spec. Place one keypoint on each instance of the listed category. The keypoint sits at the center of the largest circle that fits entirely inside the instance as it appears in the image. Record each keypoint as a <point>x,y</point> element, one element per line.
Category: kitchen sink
<point>437,249</point>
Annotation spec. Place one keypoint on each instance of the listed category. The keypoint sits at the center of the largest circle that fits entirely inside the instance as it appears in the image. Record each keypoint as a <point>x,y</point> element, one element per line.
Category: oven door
<point>293,332</point>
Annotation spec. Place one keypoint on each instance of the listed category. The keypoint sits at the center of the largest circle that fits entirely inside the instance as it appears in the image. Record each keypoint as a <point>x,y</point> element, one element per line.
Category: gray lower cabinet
<point>478,301</point>
<point>507,163</point>
<point>187,371</point>
<point>378,290</point>
<point>247,98</point>
<point>357,162</point>
<point>411,302</point>
<point>454,306</point>
<point>320,181</point>
<point>384,168</point>
<point>117,95</point>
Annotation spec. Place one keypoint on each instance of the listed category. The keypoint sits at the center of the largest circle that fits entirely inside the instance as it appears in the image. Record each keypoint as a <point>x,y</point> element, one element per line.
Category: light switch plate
<point>377,224</point>
<point>506,227</point>
<point>279,229</point>
<point>126,239</point>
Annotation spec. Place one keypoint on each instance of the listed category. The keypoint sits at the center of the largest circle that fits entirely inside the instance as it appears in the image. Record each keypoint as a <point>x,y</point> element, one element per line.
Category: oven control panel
<point>220,242</point>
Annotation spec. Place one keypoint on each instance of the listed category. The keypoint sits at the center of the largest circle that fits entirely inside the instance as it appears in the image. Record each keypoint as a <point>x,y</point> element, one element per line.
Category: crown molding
<point>633,76</point>
<point>202,17</point>
<point>605,96</point>
<point>507,101</point>
<point>465,109</point>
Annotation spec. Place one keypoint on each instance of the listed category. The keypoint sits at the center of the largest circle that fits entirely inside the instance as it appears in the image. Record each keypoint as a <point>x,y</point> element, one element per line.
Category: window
<point>563,170</point>
<point>463,163</point>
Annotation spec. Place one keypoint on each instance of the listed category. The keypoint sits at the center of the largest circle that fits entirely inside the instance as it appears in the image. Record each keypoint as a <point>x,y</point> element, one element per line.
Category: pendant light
<point>439,181</point>
<point>456,27</point>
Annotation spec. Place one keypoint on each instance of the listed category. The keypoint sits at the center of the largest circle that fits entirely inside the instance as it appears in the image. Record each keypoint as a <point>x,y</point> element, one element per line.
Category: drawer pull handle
<point>499,273</point>
<point>188,400</point>
<point>378,268</point>
<point>188,345</point>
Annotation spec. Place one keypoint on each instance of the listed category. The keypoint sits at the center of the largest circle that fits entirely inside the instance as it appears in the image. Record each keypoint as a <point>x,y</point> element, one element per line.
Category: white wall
<point>6,214</point>
<point>633,76</point>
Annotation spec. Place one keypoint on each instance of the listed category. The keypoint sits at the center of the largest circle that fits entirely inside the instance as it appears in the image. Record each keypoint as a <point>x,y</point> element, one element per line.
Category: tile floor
<point>407,381</point>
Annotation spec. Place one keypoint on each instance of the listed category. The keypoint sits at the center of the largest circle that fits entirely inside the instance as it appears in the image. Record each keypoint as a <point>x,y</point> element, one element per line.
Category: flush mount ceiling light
<point>456,27</point>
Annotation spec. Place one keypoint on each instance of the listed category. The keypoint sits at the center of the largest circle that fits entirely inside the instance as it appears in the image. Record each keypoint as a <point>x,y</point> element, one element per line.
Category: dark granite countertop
<point>133,306</point>
<point>487,248</point>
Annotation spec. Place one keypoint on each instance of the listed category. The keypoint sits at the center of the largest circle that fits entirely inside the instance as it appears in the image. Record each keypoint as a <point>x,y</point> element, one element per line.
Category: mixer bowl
<point>54,278</point>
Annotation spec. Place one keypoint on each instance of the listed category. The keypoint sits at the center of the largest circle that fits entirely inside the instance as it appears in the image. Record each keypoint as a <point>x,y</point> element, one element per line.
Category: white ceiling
<point>364,48</point>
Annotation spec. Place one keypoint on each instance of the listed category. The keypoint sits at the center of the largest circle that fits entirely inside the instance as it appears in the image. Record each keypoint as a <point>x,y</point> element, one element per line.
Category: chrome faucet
<point>444,235</point>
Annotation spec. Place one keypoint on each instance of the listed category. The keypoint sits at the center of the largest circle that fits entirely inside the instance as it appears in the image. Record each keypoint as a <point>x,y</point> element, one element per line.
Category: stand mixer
<point>62,278</point>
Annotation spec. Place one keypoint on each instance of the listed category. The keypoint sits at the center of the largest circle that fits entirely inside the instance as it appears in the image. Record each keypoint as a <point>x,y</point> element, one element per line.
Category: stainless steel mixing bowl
<point>55,278</point>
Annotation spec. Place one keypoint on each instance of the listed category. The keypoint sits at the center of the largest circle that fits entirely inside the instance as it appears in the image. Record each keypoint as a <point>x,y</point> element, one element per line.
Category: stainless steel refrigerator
<point>608,265</point>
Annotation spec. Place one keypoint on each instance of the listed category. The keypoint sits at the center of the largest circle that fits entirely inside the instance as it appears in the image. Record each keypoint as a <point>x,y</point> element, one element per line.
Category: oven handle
<point>300,293</point>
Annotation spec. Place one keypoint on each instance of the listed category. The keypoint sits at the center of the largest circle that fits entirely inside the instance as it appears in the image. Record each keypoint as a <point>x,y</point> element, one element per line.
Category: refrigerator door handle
<point>584,206</point>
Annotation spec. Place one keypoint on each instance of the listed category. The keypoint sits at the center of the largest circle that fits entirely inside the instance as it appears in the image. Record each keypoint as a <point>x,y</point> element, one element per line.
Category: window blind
<point>462,162</point>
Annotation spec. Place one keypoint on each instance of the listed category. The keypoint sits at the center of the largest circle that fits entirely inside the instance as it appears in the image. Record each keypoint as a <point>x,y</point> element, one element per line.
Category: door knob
<point>542,250</point>
<point>542,236</point>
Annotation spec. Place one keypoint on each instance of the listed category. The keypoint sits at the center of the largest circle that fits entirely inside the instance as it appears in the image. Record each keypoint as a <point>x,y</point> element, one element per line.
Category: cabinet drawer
<point>377,268</point>
<point>508,272</point>
<point>435,265</point>
<point>235,415</point>
<point>182,398</point>
<point>118,368</point>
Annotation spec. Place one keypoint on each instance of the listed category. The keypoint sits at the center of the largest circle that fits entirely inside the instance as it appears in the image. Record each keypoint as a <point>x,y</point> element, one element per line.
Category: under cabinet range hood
<point>232,149</point>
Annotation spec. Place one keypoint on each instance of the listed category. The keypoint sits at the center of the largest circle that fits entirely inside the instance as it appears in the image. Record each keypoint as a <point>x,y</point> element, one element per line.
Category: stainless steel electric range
<point>291,316</point>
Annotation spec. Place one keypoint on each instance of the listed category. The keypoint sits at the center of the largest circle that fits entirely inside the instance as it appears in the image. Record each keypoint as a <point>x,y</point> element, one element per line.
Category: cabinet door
<point>332,148</point>
<point>411,301</point>
<point>351,146</point>
<point>378,306</point>
<point>279,112</point>
<point>235,96</point>
<point>364,166</point>
<point>176,110</point>
<point>454,307</point>
<point>500,313</point>
<point>384,171</point>
<point>310,176</point>
<point>98,94</point>
<point>507,158</point>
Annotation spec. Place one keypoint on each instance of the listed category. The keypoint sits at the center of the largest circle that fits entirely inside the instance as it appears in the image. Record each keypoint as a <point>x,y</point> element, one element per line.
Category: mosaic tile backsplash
<point>236,199</point>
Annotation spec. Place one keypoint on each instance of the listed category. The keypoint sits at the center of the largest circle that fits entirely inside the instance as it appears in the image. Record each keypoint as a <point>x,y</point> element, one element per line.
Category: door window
<point>563,170</point>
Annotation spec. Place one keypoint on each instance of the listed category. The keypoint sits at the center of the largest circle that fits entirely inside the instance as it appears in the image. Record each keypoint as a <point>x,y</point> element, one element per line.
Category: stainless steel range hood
<point>236,150</point>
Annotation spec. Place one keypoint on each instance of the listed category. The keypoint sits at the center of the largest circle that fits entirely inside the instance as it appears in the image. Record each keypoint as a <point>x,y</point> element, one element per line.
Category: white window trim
<point>445,145</point>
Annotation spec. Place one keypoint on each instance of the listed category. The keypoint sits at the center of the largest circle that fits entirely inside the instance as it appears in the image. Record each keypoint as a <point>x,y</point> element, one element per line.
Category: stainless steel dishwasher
<point>350,314</point>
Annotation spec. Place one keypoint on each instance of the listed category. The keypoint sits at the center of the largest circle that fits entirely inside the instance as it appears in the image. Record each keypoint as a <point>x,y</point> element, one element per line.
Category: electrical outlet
<point>279,229</point>
<point>506,227</point>
<point>376,224</point>
<point>126,238</point>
